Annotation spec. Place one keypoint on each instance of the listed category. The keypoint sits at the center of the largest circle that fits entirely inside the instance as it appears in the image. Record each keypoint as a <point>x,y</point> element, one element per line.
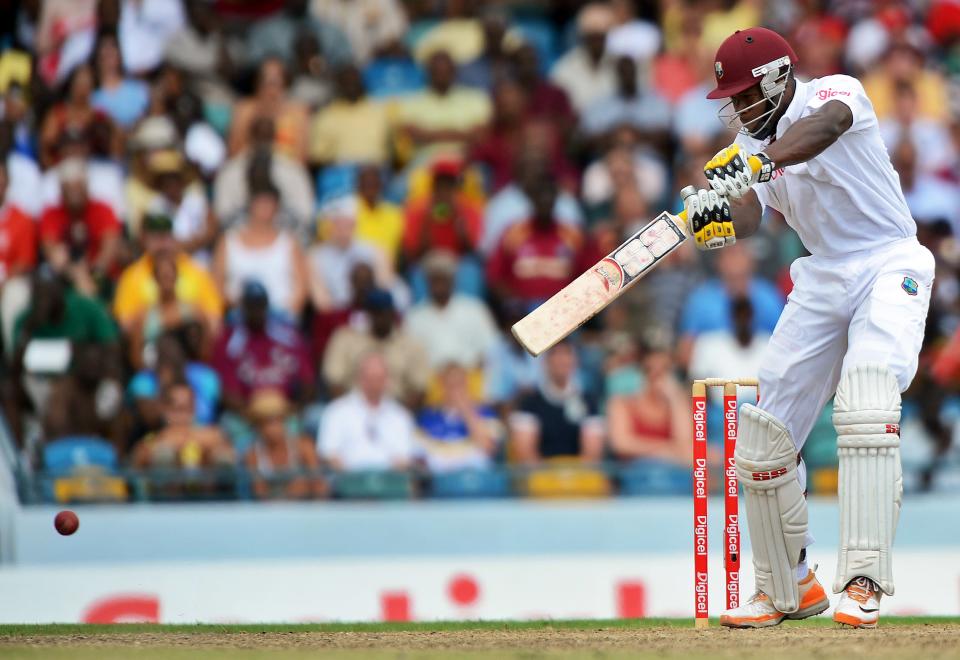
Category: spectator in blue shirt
<point>642,109</point>
<point>458,432</point>
<point>708,307</point>
<point>124,99</point>
<point>171,364</point>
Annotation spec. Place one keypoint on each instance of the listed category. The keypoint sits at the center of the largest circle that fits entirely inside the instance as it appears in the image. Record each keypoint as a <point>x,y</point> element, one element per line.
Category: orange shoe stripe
<point>849,620</point>
<point>814,595</point>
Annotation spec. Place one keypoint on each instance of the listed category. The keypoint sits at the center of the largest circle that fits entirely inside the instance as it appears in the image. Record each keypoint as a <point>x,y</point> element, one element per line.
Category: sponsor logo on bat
<point>611,274</point>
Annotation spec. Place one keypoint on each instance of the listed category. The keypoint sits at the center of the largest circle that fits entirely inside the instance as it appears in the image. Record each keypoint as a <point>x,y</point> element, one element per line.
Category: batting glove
<point>731,172</point>
<point>708,218</point>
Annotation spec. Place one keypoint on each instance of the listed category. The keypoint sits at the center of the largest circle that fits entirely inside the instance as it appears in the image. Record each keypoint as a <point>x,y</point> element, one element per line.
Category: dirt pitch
<point>661,639</point>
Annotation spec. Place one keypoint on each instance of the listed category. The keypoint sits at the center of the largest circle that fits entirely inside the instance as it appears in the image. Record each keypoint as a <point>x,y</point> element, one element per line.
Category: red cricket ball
<point>66,522</point>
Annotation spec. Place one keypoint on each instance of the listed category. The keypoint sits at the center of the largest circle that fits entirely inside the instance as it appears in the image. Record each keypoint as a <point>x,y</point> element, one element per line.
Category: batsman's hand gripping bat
<point>599,286</point>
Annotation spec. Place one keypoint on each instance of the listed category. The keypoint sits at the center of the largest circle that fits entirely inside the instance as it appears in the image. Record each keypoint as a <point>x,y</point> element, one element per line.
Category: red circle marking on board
<point>463,590</point>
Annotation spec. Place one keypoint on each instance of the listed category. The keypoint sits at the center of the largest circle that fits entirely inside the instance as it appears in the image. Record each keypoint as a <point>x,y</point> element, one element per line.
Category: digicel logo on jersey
<point>825,94</point>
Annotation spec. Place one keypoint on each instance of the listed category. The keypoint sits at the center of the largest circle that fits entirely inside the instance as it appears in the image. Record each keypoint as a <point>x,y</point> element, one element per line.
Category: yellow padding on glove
<point>723,157</point>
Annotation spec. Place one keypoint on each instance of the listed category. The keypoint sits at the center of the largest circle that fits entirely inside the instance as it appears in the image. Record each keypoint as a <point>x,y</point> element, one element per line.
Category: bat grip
<point>685,192</point>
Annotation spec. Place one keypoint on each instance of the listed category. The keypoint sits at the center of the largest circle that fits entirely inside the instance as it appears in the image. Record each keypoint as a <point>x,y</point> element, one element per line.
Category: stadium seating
<point>373,485</point>
<point>652,477</point>
<point>470,483</point>
<point>563,479</point>
<point>81,469</point>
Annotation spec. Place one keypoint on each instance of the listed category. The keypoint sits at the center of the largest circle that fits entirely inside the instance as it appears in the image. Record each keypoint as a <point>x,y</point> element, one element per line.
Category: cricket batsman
<point>852,326</point>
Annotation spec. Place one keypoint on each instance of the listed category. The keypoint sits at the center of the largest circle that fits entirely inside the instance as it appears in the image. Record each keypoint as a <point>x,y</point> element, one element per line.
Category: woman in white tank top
<point>259,250</point>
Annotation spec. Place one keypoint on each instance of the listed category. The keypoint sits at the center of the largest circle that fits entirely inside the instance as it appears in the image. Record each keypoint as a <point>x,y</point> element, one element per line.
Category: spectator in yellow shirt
<point>353,128</point>
<point>378,221</point>
<point>445,116</point>
<point>904,64</point>
<point>137,290</point>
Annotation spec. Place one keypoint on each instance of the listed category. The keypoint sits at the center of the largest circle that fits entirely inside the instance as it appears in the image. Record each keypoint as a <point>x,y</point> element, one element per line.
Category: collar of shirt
<point>797,104</point>
<point>556,395</point>
<point>584,60</point>
<point>363,403</point>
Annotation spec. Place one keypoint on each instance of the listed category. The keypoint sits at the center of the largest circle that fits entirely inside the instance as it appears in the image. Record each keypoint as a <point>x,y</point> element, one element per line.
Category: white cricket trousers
<point>868,306</point>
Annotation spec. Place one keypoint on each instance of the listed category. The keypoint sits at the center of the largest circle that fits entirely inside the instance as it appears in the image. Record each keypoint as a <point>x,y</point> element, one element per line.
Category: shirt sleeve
<point>24,252</point>
<point>850,92</point>
<point>208,298</point>
<point>321,138</point>
<point>405,447</point>
<point>524,421</point>
<point>51,226</point>
<point>105,220</point>
<point>125,299</point>
<point>764,196</point>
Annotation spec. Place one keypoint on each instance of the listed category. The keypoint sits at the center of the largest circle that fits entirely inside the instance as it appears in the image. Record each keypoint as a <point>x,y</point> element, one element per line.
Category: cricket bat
<point>593,290</point>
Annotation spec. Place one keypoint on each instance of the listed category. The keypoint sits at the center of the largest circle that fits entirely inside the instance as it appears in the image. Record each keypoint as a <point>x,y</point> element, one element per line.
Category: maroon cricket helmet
<point>742,56</point>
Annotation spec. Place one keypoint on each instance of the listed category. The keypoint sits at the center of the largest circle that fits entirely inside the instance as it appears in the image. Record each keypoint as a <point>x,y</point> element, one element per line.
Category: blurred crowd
<point>292,235</point>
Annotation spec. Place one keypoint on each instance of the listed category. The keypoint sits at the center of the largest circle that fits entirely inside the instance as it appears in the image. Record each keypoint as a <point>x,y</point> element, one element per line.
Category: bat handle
<point>685,192</point>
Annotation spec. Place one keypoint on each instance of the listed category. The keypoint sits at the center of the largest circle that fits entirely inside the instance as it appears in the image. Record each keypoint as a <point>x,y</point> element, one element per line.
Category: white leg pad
<point>867,419</point>
<point>776,509</point>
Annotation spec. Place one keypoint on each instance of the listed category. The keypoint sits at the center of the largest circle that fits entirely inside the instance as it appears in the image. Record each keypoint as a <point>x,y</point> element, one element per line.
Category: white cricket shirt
<point>848,198</point>
<point>366,437</point>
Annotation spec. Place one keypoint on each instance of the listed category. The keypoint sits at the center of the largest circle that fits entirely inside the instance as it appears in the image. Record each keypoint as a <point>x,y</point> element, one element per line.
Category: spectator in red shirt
<point>446,220</point>
<point>80,236</point>
<point>326,322</point>
<point>514,131</point>
<point>262,352</point>
<point>18,236</point>
<point>537,258</point>
<point>546,100</point>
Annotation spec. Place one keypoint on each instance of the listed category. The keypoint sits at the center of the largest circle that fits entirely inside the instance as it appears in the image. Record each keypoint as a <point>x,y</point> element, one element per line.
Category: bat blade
<point>596,288</point>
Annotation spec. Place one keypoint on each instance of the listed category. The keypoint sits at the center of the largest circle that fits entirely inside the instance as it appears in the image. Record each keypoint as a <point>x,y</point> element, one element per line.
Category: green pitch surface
<point>897,637</point>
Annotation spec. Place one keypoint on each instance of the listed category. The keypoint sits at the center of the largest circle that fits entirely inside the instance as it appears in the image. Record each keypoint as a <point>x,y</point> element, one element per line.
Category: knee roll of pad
<point>766,461</point>
<point>867,419</point>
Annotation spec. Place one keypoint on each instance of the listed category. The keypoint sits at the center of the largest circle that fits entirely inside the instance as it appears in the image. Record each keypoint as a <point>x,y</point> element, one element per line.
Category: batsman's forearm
<point>809,136</point>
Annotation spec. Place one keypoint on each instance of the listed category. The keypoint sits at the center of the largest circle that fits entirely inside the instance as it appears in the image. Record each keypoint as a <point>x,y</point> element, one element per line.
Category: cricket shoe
<point>759,612</point>
<point>859,605</point>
